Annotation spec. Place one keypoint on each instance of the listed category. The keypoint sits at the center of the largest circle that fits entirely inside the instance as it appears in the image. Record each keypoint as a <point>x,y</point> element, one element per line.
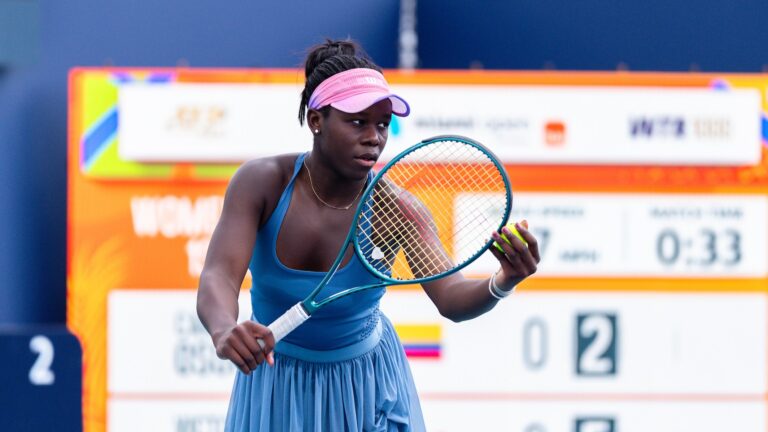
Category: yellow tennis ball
<point>517,234</point>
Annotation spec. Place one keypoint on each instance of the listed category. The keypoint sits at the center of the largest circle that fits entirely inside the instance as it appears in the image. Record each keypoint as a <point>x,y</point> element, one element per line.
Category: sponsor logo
<point>205,121</point>
<point>678,127</point>
<point>657,127</point>
<point>502,125</point>
<point>554,133</point>
<point>712,128</point>
<point>439,122</point>
<point>509,130</point>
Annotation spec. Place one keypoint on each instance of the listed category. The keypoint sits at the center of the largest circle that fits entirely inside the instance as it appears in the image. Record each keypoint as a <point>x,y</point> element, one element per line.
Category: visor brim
<point>357,103</point>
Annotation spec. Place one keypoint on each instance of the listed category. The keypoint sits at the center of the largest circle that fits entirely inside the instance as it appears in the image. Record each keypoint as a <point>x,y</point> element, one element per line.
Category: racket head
<point>430,211</point>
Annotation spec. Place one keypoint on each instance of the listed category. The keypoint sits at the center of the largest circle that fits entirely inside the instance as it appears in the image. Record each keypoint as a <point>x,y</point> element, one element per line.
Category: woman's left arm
<point>459,299</point>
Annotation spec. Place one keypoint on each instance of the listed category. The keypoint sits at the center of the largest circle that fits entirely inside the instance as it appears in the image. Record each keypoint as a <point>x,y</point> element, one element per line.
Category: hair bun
<point>331,48</point>
<point>345,47</point>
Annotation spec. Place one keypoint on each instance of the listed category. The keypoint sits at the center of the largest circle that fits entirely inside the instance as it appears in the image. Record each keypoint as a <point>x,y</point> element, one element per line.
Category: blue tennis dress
<point>344,369</point>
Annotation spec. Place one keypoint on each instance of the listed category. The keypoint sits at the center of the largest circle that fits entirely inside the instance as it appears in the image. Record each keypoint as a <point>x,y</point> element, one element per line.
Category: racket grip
<point>287,322</point>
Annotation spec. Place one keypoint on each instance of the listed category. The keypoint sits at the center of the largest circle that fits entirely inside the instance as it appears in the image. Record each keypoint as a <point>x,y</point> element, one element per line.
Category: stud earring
<point>317,131</point>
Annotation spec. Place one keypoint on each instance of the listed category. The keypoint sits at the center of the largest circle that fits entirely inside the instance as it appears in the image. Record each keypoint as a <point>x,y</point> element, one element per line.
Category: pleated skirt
<point>366,386</point>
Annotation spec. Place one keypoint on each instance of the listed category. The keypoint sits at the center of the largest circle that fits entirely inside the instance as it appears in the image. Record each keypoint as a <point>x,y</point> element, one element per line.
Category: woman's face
<point>352,143</point>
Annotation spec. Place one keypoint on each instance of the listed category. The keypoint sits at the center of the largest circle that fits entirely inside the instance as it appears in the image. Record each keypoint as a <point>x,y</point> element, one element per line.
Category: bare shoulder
<point>259,182</point>
<point>265,172</point>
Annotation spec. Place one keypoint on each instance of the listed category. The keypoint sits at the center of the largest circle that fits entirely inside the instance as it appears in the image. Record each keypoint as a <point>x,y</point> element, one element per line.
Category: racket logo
<point>377,254</point>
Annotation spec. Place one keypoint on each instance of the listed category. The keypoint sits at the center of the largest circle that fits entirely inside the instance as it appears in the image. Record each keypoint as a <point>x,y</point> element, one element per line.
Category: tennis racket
<point>408,229</point>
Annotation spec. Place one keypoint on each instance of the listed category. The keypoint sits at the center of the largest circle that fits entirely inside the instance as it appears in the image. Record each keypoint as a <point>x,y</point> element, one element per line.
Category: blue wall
<point>33,103</point>
<point>503,34</point>
<point>664,35</point>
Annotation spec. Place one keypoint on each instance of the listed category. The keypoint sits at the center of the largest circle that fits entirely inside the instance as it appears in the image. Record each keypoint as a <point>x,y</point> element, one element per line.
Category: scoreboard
<point>41,379</point>
<point>648,194</point>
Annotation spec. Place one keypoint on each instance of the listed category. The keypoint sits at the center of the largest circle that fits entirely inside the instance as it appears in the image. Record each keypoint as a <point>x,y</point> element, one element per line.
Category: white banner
<point>641,235</point>
<point>192,122</point>
<point>540,343</point>
<point>186,122</point>
<point>538,362</point>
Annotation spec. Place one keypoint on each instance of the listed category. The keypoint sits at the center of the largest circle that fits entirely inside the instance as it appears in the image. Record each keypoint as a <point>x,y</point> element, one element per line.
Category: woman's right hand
<point>239,345</point>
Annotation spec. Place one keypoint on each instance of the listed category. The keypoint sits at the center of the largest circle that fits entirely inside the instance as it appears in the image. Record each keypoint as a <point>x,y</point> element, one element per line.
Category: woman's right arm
<point>226,262</point>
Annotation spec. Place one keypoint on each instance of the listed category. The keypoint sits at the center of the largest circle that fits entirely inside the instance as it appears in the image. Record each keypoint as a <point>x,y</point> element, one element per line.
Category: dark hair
<point>327,59</point>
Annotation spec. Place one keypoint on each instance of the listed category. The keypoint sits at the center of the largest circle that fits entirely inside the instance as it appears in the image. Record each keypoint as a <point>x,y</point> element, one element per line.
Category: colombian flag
<point>420,340</point>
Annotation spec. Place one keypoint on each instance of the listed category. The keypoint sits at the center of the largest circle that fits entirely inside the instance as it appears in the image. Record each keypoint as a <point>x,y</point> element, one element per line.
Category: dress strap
<point>297,166</point>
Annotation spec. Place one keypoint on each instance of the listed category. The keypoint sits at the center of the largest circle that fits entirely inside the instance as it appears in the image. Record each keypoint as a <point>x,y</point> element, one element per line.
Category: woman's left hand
<point>518,261</point>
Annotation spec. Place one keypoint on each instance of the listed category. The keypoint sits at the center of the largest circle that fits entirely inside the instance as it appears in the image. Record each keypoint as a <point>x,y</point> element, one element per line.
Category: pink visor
<point>354,90</point>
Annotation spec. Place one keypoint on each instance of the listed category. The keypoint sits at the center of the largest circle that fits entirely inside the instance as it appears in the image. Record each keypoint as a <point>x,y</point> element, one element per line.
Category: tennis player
<point>285,218</point>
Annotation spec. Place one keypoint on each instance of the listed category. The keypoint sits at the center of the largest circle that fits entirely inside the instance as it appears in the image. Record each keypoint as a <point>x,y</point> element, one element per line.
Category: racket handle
<point>287,322</point>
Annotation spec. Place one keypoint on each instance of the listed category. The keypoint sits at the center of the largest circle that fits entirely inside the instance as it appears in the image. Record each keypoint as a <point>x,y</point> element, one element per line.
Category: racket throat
<point>309,306</point>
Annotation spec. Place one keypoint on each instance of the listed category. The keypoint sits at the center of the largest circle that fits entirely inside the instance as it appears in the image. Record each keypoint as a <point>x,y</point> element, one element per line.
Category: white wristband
<point>497,292</point>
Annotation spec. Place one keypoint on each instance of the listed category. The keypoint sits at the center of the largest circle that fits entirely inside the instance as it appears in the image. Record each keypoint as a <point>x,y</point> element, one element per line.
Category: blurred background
<point>697,43</point>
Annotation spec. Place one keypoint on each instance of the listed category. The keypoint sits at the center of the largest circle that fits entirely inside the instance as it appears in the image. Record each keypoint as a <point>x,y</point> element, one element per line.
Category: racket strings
<point>400,218</point>
<point>430,261</point>
<point>412,208</point>
<point>418,237</point>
